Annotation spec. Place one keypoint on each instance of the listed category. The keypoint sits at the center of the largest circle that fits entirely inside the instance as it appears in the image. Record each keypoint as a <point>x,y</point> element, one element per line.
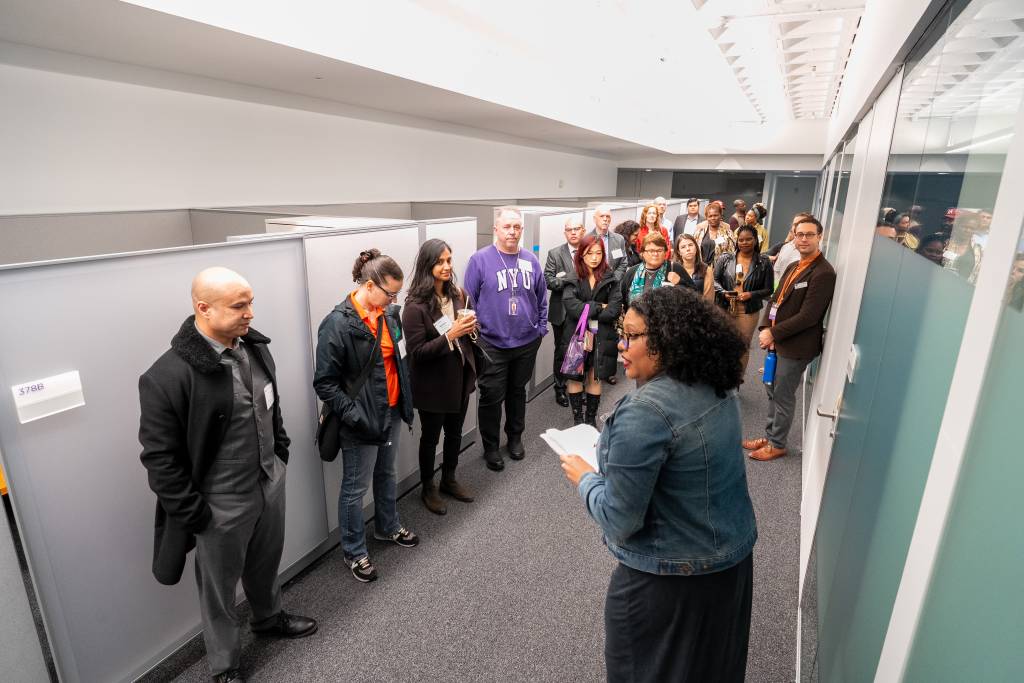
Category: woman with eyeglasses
<point>687,256</point>
<point>655,271</point>
<point>743,281</point>
<point>361,375</point>
<point>438,325</point>
<point>671,498</point>
<point>594,284</point>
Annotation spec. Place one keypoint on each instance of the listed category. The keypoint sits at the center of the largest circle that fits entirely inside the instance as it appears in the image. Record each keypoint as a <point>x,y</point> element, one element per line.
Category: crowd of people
<point>679,302</point>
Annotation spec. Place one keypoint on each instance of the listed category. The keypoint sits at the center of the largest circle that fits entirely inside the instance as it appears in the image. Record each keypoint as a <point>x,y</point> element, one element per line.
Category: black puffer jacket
<point>343,347</point>
<point>576,294</point>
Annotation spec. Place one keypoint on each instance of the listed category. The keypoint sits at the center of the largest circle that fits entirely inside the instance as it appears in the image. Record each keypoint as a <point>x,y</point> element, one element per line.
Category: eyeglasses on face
<point>804,235</point>
<point>626,337</point>
<point>391,295</point>
<point>655,250</point>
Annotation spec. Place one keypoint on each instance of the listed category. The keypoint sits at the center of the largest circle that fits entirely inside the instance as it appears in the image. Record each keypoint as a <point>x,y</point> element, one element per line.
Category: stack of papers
<point>580,440</point>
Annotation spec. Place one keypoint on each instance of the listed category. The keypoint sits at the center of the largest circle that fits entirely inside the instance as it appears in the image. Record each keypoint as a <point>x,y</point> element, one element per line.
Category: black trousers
<point>678,628</point>
<point>560,347</point>
<point>504,381</point>
<point>431,425</point>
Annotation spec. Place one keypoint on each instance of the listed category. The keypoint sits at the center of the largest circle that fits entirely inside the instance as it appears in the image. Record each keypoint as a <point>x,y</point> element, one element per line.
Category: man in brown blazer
<point>792,325</point>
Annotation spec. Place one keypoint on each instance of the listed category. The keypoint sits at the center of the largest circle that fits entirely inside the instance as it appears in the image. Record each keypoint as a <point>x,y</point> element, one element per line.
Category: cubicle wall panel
<point>549,232</point>
<point>79,490</point>
<point>461,236</point>
<point>329,260</point>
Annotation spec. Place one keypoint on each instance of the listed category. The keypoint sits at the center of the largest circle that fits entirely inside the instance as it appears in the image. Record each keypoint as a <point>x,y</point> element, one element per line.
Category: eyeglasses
<point>391,295</point>
<point>626,337</point>
<point>804,235</point>
<point>654,251</point>
<point>578,228</point>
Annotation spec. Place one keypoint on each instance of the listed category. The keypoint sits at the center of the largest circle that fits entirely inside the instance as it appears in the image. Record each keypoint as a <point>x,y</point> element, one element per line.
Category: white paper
<point>268,395</point>
<point>526,265</point>
<point>48,396</point>
<point>580,440</point>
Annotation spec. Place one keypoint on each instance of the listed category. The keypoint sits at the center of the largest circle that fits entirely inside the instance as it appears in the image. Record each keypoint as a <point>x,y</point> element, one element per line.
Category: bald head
<point>222,301</point>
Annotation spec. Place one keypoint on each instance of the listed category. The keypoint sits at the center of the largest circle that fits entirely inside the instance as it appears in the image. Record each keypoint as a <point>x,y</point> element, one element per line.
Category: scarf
<point>636,287</point>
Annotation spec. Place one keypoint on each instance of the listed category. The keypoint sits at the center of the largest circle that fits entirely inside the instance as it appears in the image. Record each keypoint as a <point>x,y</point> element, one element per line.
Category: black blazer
<point>442,379</point>
<point>759,282</point>
<point>186,398</point>
<point>559,260</point>
<point>684,280</point>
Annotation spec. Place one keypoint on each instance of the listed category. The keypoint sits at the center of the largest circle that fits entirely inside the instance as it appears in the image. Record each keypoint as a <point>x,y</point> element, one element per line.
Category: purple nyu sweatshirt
<point>492,279</point>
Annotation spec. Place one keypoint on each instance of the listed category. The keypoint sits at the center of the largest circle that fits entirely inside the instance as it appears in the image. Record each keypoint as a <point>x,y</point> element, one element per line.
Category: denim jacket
<point>672,497</point>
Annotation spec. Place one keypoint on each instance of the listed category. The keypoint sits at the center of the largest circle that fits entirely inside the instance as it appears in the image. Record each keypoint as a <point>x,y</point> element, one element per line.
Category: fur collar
<point>197,352</point>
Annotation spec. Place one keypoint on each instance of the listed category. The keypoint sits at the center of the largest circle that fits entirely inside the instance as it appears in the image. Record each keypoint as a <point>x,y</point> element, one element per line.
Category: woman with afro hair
<point>671,497</point>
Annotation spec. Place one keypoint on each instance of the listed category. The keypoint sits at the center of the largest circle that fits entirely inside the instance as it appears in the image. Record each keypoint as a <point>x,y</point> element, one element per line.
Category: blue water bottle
<point>769,367</point>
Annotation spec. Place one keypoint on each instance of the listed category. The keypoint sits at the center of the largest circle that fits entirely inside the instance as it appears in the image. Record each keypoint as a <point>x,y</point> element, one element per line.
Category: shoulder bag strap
<point>361,380</point>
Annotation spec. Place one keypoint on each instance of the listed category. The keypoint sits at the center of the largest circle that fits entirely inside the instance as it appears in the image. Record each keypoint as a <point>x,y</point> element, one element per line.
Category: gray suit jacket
<point>559,261</point>
<point>615,241</point>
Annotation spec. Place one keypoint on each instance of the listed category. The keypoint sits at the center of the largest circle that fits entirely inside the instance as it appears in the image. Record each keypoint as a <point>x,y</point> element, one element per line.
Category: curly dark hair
<point>695,342</point>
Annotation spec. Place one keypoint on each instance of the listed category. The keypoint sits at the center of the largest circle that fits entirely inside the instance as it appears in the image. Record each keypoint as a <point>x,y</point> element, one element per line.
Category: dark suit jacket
<point>433,367</point>
<point>186,399</point>
<point>559,260</point>
<point>798,329</point>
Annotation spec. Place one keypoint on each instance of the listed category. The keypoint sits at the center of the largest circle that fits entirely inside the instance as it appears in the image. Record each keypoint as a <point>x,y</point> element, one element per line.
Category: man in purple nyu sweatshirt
<point>507,288</point>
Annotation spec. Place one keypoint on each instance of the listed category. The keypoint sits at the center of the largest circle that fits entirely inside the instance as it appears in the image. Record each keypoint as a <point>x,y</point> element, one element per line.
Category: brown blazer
<point>798,329</point>
<point>441,377</point>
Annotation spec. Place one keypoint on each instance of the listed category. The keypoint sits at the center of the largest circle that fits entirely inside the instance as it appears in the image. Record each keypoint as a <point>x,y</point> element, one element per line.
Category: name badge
<point>561,274</point>
<point>513,305</point>
<point>800,285</point>
<point>525,265</point>
<point>772,311</point>
<point>401,348</point>
<point>443,324</point>
<point>268,395</point>
<point>616,253</point>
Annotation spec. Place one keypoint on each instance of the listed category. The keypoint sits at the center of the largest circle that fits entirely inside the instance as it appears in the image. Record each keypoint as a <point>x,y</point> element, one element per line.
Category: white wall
<point>76,144</point>
<point>725,162</point>
<point>881,39</point>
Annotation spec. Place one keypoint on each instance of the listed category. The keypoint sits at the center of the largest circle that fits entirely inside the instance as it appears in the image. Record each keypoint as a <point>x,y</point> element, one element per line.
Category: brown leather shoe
<point>456,490</point>
<point>432,501</point>
<point>767,453</point>
<point>754,444</point>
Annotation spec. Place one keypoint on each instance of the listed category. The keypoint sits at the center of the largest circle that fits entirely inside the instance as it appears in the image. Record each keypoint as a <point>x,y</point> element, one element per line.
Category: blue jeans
<point>358,461</point>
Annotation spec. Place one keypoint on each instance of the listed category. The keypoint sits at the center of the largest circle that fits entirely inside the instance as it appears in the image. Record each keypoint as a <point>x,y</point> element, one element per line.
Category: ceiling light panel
<point>809,40</point>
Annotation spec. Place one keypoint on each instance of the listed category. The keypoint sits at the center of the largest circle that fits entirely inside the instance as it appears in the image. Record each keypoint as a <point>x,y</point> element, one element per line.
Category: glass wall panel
<point>960,94</point>
<point>972,624</point>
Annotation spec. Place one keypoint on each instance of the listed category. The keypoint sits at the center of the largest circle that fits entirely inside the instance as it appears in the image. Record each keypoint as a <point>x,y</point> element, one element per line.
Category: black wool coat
<point>441,380</point>
<point>575,296</point>
<point>186,398</point>
<point>343,347</point>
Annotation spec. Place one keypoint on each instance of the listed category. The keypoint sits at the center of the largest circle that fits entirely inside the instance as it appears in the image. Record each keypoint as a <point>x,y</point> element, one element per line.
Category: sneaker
<point>402,537</point>
<point>363,570</point>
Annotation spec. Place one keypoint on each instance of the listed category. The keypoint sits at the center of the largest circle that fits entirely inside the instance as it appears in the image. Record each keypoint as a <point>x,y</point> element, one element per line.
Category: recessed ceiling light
<point>647,170</point>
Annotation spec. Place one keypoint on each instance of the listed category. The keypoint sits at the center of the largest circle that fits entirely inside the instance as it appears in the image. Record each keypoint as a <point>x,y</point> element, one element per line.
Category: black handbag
<point>328,431</point>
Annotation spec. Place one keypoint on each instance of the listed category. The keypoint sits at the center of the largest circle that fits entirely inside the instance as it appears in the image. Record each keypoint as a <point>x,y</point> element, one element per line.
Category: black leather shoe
<point>288,626</point>
<point>494,461</point>
<point>560,397</point>
<point>515,448</point>
<point>229,676</point>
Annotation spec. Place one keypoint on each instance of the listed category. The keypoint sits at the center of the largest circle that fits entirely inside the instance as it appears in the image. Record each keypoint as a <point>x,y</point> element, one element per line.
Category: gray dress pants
<point>243,542</point>
<point>782,399</point>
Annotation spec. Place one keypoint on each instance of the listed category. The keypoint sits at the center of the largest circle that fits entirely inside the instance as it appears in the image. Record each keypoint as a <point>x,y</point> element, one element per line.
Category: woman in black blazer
<point>437,326</point>
<point>593,283</point>
<point>747,276</point>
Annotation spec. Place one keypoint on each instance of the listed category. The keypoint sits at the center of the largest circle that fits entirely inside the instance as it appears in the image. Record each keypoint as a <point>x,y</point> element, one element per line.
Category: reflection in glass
<point>957,110</point>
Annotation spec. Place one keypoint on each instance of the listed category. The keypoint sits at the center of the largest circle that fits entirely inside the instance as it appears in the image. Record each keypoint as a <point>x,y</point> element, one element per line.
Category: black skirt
<point>678,628</point>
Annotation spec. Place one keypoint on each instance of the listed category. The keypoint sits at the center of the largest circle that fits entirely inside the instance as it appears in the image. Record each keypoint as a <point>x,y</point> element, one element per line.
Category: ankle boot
<point>451,487</point>
<point>431,500</point>
<point>593,401</point>
<point>576,401</point>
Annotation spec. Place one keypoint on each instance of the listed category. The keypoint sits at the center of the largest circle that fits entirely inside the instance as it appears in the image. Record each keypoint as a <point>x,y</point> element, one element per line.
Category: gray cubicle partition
<point>79,493</point>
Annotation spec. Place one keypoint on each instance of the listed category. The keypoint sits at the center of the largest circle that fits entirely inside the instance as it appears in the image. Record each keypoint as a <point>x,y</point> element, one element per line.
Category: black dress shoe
<point>494,461</point>
<point>515,448</point>
<point>229,676</point>
<point>560,397</point>
<point>288,626</point>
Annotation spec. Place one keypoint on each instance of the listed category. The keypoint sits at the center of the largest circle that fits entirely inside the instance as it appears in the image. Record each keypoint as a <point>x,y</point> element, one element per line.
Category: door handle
<point>832,416</point>
<point>822,413</point>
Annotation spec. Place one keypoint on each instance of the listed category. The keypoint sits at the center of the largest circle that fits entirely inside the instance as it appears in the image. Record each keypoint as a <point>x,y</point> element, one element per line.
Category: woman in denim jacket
<point>672,499</point>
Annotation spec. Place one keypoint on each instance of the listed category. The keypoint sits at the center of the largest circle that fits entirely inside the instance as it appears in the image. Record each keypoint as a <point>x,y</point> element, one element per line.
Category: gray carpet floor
<point>510,587</point>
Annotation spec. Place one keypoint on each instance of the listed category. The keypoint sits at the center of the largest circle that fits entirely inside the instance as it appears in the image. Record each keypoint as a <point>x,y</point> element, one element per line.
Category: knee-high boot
<point>593,401</point>
<point>576,401</point>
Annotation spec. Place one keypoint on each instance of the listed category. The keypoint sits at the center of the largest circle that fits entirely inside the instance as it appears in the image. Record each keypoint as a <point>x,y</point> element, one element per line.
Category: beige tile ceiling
<point>809,40</point>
